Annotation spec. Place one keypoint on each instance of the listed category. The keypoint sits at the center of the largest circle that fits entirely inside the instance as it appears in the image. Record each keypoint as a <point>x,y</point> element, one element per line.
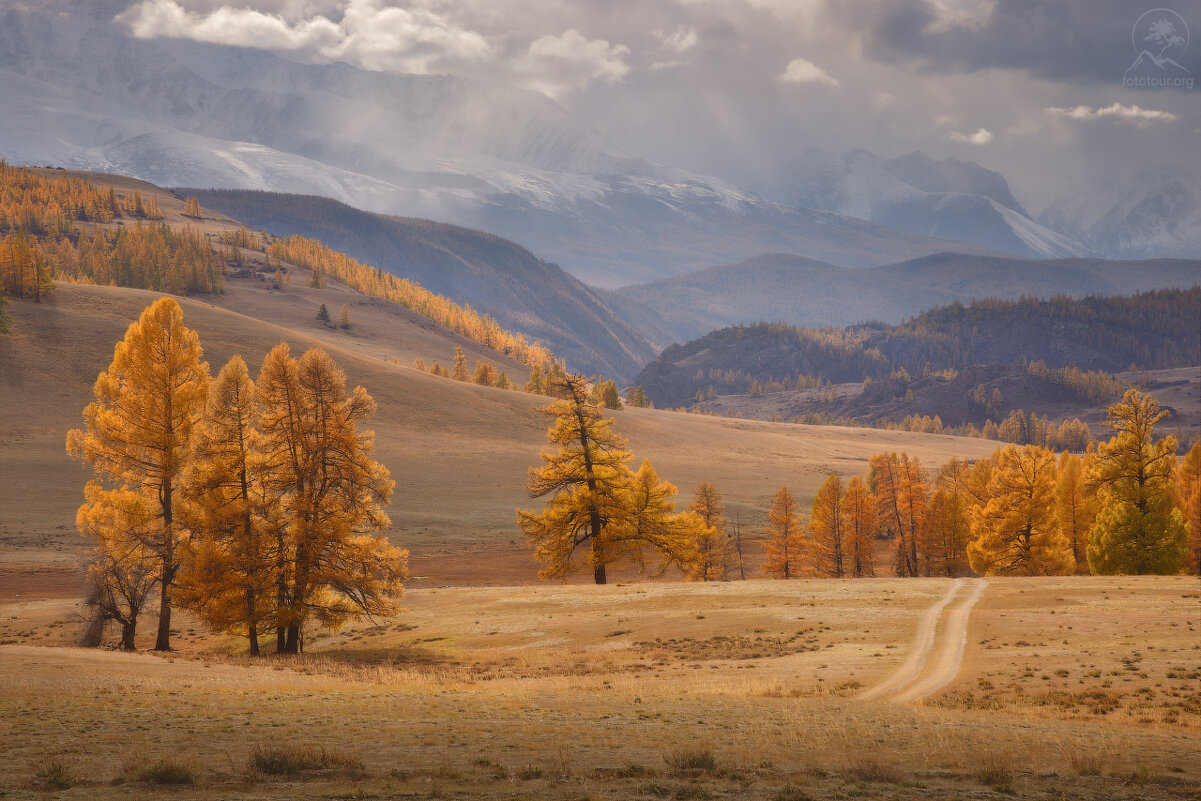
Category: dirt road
<point>937,649</point>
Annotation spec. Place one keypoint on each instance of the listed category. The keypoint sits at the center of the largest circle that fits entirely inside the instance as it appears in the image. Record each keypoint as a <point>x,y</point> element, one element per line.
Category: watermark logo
<point>1160,38</point>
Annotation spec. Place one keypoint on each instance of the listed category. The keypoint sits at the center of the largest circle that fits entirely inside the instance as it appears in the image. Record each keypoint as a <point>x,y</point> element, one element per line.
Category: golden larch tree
<point>121,570</point>
<point>229,573</point>
<point>1188,493</point>
<point>785,543</point>
<point>899,485</point>
<point>945,534</point>
<point>1138,528</point>
<point>826,537</point>
<point>1076,506</point>
<point>332,567</point>
<point>588,479</point>
<point>711,548</point>
<point>138,431</point>
<point>859,528</point>
<point>459,371</point>
<point>649,521</point>
<point>1016,531</point>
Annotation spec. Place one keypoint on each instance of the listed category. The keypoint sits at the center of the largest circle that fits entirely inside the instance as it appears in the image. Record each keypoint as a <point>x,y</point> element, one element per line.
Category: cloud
<point>370,35</point>
<point>801,70</point>
<point>1058,39</point>
<point>555,65</point>
<point>982,136</point>
<point>1142,117</point>
<point>682,38</point>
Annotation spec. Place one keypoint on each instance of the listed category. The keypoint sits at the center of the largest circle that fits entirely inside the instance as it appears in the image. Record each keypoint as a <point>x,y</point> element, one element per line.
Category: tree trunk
<point>128,631</point>
<point>598,573</point>
<point>163,641</point>
<point>292,643</point>
<point>254,623</point>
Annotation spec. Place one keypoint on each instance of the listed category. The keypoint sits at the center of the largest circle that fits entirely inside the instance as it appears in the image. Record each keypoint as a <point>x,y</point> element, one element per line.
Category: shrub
<point>54,775</point>
<point>287,760</point>
<point>166,771</point>
<point>691,759</point>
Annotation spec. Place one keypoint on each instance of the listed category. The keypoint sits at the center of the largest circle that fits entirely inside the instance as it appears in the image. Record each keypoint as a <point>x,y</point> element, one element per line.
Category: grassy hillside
<point>458,452</point>
<point>492,274</point>
<point>806,292</point>
<point>1159,329</point>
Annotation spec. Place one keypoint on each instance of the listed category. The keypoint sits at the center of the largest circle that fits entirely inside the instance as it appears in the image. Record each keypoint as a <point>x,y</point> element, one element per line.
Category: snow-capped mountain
<point>948,199</point>
<point>78,91</point>
<point>1155,213</point>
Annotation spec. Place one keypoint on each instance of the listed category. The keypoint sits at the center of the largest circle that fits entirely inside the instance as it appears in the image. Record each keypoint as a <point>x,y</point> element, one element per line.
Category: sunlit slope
<point>458,452</point>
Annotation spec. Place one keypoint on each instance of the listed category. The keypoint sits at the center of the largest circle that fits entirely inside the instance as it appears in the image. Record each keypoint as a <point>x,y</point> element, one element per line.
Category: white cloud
<point>555,65</point>
<point>981,137</point>
<point>801,70</point>
<point>1142,117</point>
<point>370,35</point>
<point>681,39</point>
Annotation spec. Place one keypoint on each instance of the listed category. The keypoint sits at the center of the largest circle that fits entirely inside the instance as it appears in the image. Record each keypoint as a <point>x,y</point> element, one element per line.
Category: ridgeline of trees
<point>48,231</point>
<point>376,283</point>
<point>1076,341</point>
<point>255,504</point>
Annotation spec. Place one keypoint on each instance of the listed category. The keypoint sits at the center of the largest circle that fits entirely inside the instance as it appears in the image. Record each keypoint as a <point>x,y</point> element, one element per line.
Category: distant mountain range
<point>492,274</point>
<point>78,91</point>
<point>948,199</point>
<point>799,291</point>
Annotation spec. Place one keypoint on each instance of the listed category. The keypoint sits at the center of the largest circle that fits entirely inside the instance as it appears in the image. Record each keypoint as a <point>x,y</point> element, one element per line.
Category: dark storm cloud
<point>1079,40</point>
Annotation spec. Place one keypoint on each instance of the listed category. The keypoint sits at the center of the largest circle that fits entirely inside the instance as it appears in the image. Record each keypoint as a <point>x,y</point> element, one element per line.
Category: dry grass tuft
<point>164,771</point>
<point>692,760</point>
<point>291,760</point>
<point>874,769</point>
<point>54,775</point>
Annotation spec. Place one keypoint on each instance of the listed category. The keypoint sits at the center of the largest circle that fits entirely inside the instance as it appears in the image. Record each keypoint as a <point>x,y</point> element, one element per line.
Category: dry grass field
<point>639,690</point>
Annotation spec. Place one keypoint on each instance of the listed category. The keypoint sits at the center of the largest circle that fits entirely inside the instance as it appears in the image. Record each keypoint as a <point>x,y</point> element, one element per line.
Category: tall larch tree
<point>785,543</point>
<point>229,575</point>
<point>1076,507</point>
<point>859,528</point>
<point>587,479</point>
<point>826,536</point>
<point>945,534</point>
<point>137,433</point>
<point>332,565</point>
<point>1138,528</point>
<point>1016,531</point>
<point>899,486</point>
<point>711,550</point>
<point>459,371</point>
<point>1188,493</point>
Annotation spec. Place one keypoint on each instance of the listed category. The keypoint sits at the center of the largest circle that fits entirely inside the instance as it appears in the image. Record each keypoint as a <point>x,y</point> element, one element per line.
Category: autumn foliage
<point>255,504</point>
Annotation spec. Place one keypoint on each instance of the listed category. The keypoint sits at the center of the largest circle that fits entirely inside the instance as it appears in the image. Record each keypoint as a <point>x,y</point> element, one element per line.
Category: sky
<point>738,88</point>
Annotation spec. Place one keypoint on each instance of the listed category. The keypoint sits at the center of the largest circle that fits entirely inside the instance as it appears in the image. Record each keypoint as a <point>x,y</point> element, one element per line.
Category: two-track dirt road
<point>937,649</point>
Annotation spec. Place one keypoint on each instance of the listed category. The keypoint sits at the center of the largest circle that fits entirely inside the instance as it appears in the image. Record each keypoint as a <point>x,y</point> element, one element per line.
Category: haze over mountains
<point>80,92</point>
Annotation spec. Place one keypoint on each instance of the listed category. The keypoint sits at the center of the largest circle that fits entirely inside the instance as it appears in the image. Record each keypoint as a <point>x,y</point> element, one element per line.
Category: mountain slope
<point>77,91</point>
<point>492,274</point>
<point>1152,213</point>
<point>948,199</point>
<point>458,452</point>
<point>806,292</point>
<point>1154,330</point>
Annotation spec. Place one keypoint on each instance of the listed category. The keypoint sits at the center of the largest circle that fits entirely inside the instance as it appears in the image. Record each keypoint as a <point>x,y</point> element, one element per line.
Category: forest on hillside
<point>1075,337</point>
